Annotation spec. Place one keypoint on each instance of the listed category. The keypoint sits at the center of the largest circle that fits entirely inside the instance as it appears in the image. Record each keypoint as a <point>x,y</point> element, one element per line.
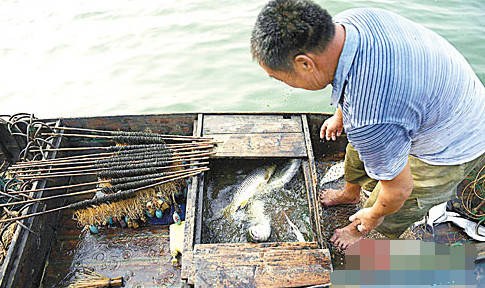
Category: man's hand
<point>333,126</point>
<point>391,198</point>
<point>368,220</point>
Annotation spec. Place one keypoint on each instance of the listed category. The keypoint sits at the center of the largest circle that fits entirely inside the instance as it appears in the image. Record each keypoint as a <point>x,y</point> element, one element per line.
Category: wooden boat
<point>48,250</point>
<point>37,255</point>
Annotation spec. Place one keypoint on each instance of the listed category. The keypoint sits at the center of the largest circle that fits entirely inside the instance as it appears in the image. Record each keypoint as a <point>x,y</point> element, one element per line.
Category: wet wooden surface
<point>261,265</point>
<point>190,209</point>
<point>275,135</point>
<point>311,176</point>
<point>253,136</point>
<point>251,124</point>
<point>259,145</point>
<point>141,256</point>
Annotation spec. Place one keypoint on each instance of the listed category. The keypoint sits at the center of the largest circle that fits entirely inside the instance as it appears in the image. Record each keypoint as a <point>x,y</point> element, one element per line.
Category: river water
<point>86,58</point>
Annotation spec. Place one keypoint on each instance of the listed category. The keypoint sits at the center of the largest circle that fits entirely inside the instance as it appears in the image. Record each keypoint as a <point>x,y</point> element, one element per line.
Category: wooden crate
<point>290,264</point>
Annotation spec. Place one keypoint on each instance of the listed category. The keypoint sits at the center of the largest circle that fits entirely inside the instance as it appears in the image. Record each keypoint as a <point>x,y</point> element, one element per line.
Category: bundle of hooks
<point>141,173</point>
<point>7,229</point>
<point>28,128</point>
<point>473,197</point>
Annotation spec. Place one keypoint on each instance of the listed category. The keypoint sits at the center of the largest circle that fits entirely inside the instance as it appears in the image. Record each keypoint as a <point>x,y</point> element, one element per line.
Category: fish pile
<point>247,195</point>
<point>254,183</point>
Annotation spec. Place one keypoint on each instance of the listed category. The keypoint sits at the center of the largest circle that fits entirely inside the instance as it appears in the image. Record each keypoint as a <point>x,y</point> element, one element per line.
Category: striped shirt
<point>404,90</point>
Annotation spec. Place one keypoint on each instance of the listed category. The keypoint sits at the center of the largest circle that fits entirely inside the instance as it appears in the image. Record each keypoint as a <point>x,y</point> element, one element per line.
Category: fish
<point>335,172</point>
<point>260,229</point>
<point>252,184</point>
<point>295,229</point>
<point>285,176</point>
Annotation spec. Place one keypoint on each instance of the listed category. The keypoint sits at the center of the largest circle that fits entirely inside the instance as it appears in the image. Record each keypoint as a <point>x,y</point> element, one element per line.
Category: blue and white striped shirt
<point>406,91</point>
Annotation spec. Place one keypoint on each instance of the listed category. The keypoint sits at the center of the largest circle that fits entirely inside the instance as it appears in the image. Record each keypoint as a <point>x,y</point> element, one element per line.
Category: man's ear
<point>304,63</point>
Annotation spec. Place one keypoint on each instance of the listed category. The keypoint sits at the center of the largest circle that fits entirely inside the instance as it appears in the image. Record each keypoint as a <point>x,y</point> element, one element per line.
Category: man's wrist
<point>377,212</point>
<point>338,113</point>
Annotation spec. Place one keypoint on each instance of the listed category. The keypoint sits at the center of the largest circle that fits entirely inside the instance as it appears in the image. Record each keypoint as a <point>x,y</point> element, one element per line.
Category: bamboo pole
<point>171,138</point>
<point>114,132</point>
<point>93,155</point>
<point>96,182</point>
<point>87,161</point>
<point>94,171</point>
<point>109,147</point>
<point>73,205</point>
<point>171,174</point>
<point>22,173</point>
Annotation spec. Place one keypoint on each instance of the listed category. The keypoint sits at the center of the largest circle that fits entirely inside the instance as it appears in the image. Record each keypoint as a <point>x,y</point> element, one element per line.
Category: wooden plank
<point>190,215</point>
<point>260,145</point>
<point>249,124</point>
<point>199,211</point>
<point>227,247</point>
<point>253,265</point>
<point>189,263</point>
<point>189,229</point>
<point>308,187</point>
<point>313,176</point>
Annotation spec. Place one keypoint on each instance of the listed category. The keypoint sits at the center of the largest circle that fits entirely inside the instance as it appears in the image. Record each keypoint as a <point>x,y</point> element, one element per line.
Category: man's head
<point>286,32</point>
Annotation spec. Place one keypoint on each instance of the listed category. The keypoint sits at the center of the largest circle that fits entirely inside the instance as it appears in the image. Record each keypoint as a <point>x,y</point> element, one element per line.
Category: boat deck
<point>142,255</point>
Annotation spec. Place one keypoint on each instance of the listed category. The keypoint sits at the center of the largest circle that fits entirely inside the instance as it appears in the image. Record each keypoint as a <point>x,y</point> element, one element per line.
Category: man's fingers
<point>322,130</point>
<point>339,132</point>
<point>333,136</point>
<point>344,246</point>
<point>354,217</point>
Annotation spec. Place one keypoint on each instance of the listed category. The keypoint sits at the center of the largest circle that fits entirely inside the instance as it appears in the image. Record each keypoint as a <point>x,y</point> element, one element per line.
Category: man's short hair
<point>286,28</point>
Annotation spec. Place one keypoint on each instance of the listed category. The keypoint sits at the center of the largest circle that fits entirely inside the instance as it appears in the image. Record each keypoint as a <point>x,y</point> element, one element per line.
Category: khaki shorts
<point>433,184</point>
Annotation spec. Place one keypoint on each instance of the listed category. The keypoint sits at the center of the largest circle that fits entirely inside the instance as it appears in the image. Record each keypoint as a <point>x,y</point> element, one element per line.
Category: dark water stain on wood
<point>141,256</point>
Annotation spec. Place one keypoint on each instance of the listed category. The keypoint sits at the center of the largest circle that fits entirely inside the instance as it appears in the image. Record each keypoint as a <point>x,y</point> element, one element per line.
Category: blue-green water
<point>74,58</point>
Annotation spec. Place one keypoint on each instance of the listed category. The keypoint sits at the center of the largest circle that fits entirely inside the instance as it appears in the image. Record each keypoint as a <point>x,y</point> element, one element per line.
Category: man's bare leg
<point>346,236</point>
<point>350,195</point>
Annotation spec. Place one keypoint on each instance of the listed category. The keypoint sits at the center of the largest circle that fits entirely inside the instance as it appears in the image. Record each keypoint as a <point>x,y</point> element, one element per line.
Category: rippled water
<point>74,58</point>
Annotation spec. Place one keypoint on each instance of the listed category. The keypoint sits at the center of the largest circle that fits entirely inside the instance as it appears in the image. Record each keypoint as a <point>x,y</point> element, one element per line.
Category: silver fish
<point>295,230</point>
<point>260,230</point>
<point>254,182</point>
<point>335,172</point>
<point>286,174</point>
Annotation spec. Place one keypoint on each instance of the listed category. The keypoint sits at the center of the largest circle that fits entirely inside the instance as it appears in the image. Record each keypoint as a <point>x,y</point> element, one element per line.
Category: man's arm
<point>391,198</point>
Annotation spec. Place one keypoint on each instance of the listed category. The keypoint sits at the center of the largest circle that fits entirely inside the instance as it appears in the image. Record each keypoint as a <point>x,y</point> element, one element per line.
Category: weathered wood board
<point>259,145</point>
<point>256,136</point>
<point>261,265</point>
<point>251,124</point>
<point>310,171</point>
<point>190,213</point>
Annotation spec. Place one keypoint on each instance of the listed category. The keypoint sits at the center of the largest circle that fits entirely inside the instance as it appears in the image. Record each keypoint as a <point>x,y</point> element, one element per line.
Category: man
<point>409,102</point>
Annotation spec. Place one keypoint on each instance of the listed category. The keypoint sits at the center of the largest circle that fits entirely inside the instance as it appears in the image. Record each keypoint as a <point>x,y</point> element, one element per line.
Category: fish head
<point>259,233</point>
